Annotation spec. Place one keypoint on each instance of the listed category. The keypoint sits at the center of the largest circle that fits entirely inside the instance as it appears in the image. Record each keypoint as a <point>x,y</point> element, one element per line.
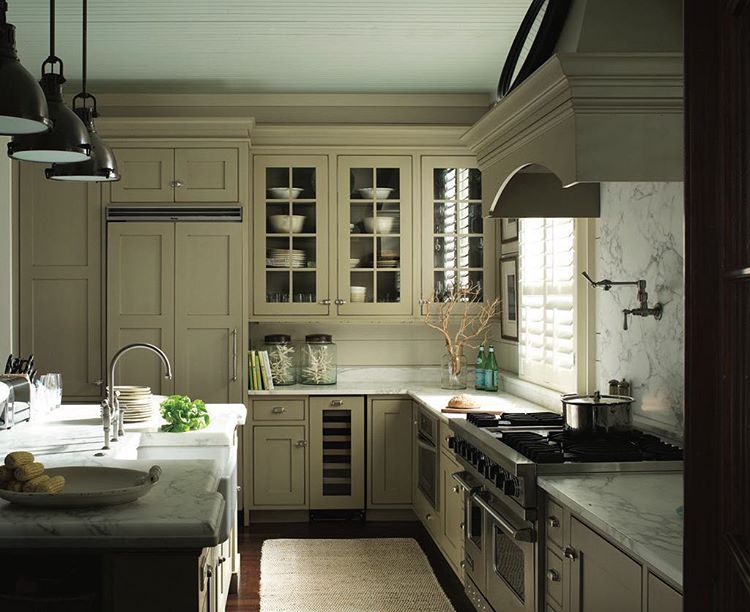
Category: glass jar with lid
<point>282,355</point>
<point>319,360</point>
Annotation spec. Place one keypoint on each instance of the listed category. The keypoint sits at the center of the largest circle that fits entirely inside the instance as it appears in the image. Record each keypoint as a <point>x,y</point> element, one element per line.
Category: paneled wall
<point>640,235</point>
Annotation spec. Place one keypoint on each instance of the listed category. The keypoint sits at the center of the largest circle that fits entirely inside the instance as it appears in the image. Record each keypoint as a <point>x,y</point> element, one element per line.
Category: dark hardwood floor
<point>251,540</point>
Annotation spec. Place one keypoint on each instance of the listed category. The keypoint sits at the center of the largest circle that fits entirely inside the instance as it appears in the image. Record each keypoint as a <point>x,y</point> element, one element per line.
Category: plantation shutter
<point>547,294</point>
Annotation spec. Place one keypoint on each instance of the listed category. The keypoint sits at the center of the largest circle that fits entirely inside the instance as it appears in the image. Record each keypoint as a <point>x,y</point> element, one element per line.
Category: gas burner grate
<point>620,446</point>
<point>482,419</point>
<point>534,446</point>
<point>533,419</point>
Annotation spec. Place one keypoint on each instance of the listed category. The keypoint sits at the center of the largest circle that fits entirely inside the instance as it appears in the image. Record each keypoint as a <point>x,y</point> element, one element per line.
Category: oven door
<point>474,542</point>
<point>509,558</point>
<point>427,470</point>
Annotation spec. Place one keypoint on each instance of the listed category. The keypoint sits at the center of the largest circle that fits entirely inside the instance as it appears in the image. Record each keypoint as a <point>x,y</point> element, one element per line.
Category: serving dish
<point>89,486</point>
<point>378,225</point>
<point>375,193</point>
<point>287,223</point>
<point>285,193</point>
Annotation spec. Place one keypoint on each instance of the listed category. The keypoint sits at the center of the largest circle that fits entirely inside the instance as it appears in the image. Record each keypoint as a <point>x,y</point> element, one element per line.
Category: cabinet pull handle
<point>301,443</point>
<point>176,184</point>
<point>325,302</point>
<point>278,410</point>
<point>98,383</point>
<point>234,354</point>
<point>554,522</point>
<point>337,402</point>
<point>570,553</point>
<point>553,576</point>
<point>339,302</point>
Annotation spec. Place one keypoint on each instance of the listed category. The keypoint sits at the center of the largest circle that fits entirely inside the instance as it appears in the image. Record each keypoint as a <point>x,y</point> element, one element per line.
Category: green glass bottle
<point>479,370</point>
<point>490,371</point>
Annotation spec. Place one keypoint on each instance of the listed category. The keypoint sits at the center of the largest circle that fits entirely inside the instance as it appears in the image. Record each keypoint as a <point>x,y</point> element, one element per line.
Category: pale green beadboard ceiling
<point>206,46</point>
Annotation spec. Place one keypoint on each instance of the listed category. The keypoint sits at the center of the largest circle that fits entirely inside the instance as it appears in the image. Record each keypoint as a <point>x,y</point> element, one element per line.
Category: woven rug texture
<point>358,575</point>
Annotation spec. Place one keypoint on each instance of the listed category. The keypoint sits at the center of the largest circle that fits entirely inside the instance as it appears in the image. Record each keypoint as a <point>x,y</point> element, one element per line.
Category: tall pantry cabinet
<point>178,285</point>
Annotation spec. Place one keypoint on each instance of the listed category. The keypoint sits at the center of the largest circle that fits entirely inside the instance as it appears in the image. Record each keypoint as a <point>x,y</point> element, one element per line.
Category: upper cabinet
<point>456,250</point>
<point>374,236</point>
<point>290,245</point>
<point>183,175</point>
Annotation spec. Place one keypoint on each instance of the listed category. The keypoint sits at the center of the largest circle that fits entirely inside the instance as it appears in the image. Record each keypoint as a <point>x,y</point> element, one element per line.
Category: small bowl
<point>291,224</point>
<point>378,225</point>
<point>285,193</point>
<point>353,262</point>
<point>377,193</point>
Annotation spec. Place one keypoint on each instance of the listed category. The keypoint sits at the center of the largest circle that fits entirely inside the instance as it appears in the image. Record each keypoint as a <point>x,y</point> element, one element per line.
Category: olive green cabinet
<point>337,453</point>
<point>389,453</point>
<point>206,174</point>
<point>662,597</point>
<point>279,460</point>
<point>179,286</point>
<point>452,497</point>
<point>60,302</point>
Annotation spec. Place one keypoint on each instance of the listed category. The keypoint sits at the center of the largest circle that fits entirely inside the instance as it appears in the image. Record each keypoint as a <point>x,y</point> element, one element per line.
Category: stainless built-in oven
<point>428,457</point>
<point>499,552</point>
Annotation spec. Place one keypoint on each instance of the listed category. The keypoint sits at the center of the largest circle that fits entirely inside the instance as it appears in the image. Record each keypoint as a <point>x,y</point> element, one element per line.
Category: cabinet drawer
<point>553,578</point>
<point>445,435</point>
<point>279,410</point>
<point>554,522</point>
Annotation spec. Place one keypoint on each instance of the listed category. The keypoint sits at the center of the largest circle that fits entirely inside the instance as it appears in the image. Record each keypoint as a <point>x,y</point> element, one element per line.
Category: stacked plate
<point>286,258</point>
<point>136,403</point>
<point>357,294</point>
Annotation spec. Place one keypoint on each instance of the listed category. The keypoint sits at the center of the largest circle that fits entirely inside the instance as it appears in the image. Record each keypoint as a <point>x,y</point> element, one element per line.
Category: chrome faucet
<point>111,413</point>
<point>643,309</point>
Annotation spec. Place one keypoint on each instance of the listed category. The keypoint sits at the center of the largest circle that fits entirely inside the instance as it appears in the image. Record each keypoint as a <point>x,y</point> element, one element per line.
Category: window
<point>547,286</point>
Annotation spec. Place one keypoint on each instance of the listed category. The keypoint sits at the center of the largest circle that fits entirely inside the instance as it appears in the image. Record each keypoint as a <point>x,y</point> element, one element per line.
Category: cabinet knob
<point>339,302</point>
<point>98,383</point>
<point>325,302</point>
<point>553,576</point>
<point>301,443</point>
<point>175,184</point>
<point>462,526</point>
<point>553,522</point>
<point>222,560</point>
<point>337,402</point>
<point>456,489</point>
<point>570,553</point>
<point>462,564</point>
<point>278,410</point>
<point>428,517</point>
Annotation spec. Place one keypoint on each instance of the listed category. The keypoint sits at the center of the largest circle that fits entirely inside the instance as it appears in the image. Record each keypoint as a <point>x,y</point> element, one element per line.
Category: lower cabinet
<point>662,597</point>
<point>279,459</point>
<point>452,497</point>
<point>389,453</point>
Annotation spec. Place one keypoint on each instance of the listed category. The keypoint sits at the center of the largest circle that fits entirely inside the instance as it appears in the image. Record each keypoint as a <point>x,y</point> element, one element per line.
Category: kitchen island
<point>168,550</point>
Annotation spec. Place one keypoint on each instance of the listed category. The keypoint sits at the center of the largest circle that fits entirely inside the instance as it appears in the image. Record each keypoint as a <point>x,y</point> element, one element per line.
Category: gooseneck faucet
<point>111,413</point>
<point>643,309</point>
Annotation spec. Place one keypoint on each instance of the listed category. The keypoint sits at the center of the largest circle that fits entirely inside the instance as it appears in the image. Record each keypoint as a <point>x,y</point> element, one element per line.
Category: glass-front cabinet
<point>290,245</point>
<point>455,249</point>
<point>375,270</point>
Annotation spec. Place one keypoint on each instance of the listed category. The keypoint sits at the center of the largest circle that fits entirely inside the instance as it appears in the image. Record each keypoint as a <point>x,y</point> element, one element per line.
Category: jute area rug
<point>367,575</point>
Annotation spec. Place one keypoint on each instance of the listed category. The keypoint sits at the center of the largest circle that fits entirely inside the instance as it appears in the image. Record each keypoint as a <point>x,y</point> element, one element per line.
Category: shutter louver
<point>547,293</point>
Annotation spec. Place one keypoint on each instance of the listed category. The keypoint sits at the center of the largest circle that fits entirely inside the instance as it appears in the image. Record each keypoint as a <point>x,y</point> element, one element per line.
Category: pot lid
<point>597,399</point>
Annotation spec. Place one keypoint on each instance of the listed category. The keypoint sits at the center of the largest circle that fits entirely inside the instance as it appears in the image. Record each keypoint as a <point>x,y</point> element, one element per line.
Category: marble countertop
<point>639,511</point>
<point>183,509</point>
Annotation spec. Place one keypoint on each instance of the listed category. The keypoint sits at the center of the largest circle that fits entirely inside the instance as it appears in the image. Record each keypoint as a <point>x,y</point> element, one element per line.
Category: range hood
<point>607,106</point>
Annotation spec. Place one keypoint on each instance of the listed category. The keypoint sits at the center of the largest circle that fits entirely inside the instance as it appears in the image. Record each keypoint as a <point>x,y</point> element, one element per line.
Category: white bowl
<point>287,223</point>
<point>378,225</point>
<point>285,193</point>
<point>377,193</point>
<point>353,262</point>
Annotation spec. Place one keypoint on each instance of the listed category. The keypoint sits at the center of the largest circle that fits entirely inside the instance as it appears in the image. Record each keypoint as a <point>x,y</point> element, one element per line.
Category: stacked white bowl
<point>357,293</point>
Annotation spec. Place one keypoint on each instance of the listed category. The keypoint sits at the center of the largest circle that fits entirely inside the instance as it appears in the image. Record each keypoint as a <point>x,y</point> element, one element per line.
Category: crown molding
<point>176,127</point>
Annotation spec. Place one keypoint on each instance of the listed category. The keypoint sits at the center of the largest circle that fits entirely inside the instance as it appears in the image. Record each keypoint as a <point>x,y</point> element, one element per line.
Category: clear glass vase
<point>453,371</point>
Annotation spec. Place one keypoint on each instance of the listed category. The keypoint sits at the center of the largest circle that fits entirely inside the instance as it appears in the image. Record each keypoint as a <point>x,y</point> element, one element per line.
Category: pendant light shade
<point>23,108</point>
<point>68,140</point>
<point>102,165</point>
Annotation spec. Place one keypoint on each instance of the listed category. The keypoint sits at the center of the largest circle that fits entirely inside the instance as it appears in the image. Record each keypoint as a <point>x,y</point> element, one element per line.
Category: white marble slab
<point>638,511</point>
<point>184,509</point>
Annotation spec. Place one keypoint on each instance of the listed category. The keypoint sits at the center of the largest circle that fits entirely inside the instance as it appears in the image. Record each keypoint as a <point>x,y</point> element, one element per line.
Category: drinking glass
<point>53,384</point>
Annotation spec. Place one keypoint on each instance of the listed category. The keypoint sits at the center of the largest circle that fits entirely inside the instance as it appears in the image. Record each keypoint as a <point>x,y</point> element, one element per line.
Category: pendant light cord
<point>52,28</point>
<point>84,37</point>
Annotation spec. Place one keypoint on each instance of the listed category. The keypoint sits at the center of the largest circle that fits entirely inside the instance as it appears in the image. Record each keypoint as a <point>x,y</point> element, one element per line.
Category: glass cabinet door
<point>290,235</point>
<point>456,252</point>
<point>375,236</point>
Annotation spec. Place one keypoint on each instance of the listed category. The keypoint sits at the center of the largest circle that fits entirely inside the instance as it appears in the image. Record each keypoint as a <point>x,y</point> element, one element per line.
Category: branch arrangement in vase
<point>463,319</point>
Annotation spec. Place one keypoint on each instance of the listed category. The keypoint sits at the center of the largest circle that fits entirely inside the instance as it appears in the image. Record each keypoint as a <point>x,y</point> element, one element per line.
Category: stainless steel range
<point>502,457</point>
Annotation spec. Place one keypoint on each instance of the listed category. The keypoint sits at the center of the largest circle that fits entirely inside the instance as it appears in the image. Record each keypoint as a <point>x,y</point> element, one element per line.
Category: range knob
<point>499,479</point>
<point>481,463</point>
<point>509,487</point>
<point>452,442</point>
<point>493,471</point>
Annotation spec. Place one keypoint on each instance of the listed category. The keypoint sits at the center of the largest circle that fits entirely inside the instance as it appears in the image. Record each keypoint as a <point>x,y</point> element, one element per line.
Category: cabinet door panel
<point>662,597</point>
<point>279,466</point>
<point>604,578</point>
<point>60,280</point>
<point>390,452</point>
<point>140,299</point>
<point>206,175</point>
<point>375,235</point>
<point>337,454</point>
<point>208,311</point>
<point>147,176</point>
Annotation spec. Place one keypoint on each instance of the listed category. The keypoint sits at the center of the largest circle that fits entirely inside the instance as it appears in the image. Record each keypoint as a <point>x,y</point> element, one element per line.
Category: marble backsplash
<point>641,235</point>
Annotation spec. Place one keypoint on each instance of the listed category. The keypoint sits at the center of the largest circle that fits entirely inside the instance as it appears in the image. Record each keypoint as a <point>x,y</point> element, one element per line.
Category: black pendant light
<point>23,109</point>
<point>68,141</point>
<point>102,165</point>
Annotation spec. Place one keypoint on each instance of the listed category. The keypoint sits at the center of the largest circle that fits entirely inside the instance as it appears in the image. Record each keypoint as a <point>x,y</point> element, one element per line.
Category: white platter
<point>88,486</point>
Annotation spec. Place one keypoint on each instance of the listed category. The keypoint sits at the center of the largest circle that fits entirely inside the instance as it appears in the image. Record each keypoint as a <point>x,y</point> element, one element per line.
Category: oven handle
<point>459,478</point>
<point>522,535</point>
